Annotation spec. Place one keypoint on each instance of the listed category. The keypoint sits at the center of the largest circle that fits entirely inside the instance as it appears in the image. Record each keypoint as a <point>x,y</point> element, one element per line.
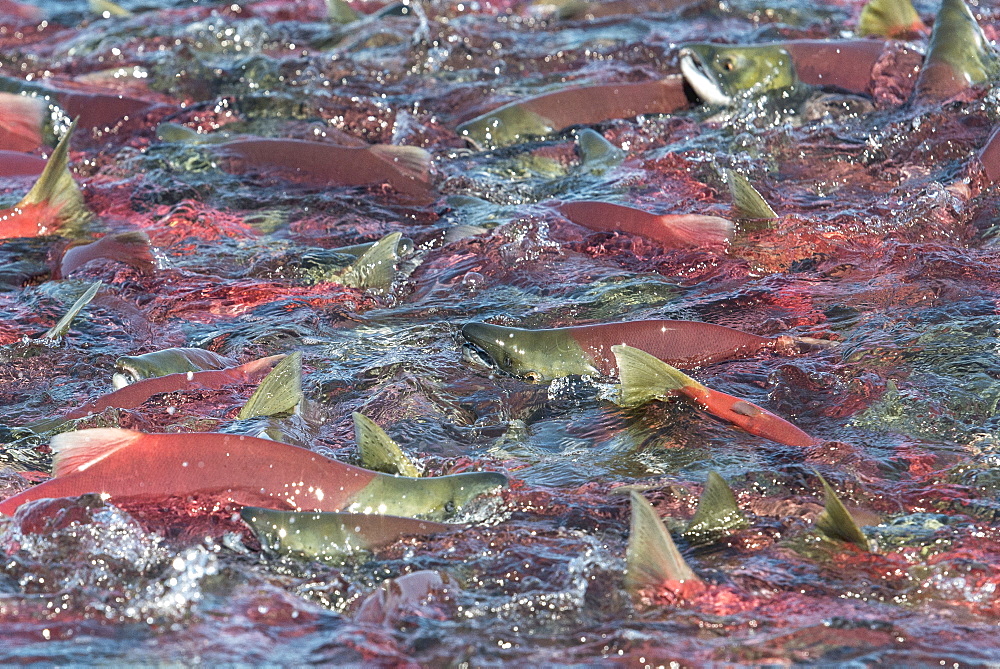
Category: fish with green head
<point>721,73</point>
<point>132,368</point>
<point>546,354</point>
<point>332,537</point>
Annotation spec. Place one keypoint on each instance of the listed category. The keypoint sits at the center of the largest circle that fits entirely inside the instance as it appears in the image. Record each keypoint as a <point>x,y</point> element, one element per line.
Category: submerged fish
<point>719,73</point>
<point>123,464</point>
<point>959,56</point>
<point>332,537</point>
<point>18,164</point>
<point>22,122</point>
<point>575,105</point>
<point>395,596</point>
<point>131,248</point>
<point>52,203</point>
<point>405,168</point>
<point>644,378</point>
<point>671,230</point>
<point>132,368</point>
<point>542,355</point>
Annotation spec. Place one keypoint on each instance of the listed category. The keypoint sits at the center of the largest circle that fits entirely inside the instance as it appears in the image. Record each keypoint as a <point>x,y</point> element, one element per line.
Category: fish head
<point>503,348</point>
<point>509,124</point>
<point>535,355</point>
<point>434,498</point>
<point>718,73</point>
<point>130,368</point>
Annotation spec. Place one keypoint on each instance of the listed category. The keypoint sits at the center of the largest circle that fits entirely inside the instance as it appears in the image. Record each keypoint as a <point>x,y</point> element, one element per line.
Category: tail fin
<point>717,509</point>
<point>652,557</point>
<point>836,521</point>
<point>376,268</point>
<point>56,188</point>
<point>645,377</point>
<point>378,451</point>
<point>412,162</point>
<point>699,230</point>
<point>280,391</point>
<point>958,56</point>
<point>747,202</point>
<point>60,328</point>
<point>76,451</point>
<point>890,18</point>
<point>21,120</point>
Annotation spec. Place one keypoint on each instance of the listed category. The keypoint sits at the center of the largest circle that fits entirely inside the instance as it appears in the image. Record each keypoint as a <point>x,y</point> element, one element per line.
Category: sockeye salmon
<point>543,355</point>
<point>123,464</point>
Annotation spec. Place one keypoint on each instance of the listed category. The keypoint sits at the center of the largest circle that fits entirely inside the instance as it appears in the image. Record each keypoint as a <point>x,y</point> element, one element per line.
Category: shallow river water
<point>886,247</point>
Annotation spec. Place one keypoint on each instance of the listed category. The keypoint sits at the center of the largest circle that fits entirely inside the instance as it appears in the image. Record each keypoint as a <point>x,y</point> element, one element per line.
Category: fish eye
<point>449,507</point>
<point>532,376</point>
<point>728,64</point>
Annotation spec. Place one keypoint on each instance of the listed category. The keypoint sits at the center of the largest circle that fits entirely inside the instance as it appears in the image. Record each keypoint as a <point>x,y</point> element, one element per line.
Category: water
<point>879,247</point>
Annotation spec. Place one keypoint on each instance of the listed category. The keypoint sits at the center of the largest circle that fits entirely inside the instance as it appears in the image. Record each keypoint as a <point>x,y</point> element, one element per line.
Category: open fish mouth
<point>700,78</point>
<point>477,357</point>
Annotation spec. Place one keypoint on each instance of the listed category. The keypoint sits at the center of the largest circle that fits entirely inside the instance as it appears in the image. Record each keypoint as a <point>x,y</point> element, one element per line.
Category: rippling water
<point>876,249</point>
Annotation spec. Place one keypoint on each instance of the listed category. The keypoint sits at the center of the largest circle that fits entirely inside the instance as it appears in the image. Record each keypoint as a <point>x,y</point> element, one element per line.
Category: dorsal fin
<point>76,451</point>
<point>55,186</point>
<point>60,328</point>
<point>645,377</point>
<point>378,451</point>
<point>596,151</point>
<point>652,557</point>
<point>747,202</point>
<point>717,509</point>
<point>280,391</point>
<point>411,161</point>
<point>890,18</point>
<point>836,521</point>
<point>376,268</point>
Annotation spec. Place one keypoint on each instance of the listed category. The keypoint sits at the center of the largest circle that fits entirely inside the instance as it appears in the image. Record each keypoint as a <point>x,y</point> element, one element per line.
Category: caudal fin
<point>279,392</point>
<point>375,270</point>
<point>77,451</point>
<point>412,162</point>
<point>22,118</point>
<point>651,558</point>
<point>890,18</point>
<point>378,451</point>
<point>958,56</point>
<point>747,202</point>
<point>60,328</point>
<point>836,521</point>
<point>56,189</point>
<point>717,510</point>
<point>645,377</point>
<point>698,230</point>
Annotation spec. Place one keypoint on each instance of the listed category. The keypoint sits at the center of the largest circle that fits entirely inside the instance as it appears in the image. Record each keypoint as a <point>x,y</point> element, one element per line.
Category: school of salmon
<point>641,332</point>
